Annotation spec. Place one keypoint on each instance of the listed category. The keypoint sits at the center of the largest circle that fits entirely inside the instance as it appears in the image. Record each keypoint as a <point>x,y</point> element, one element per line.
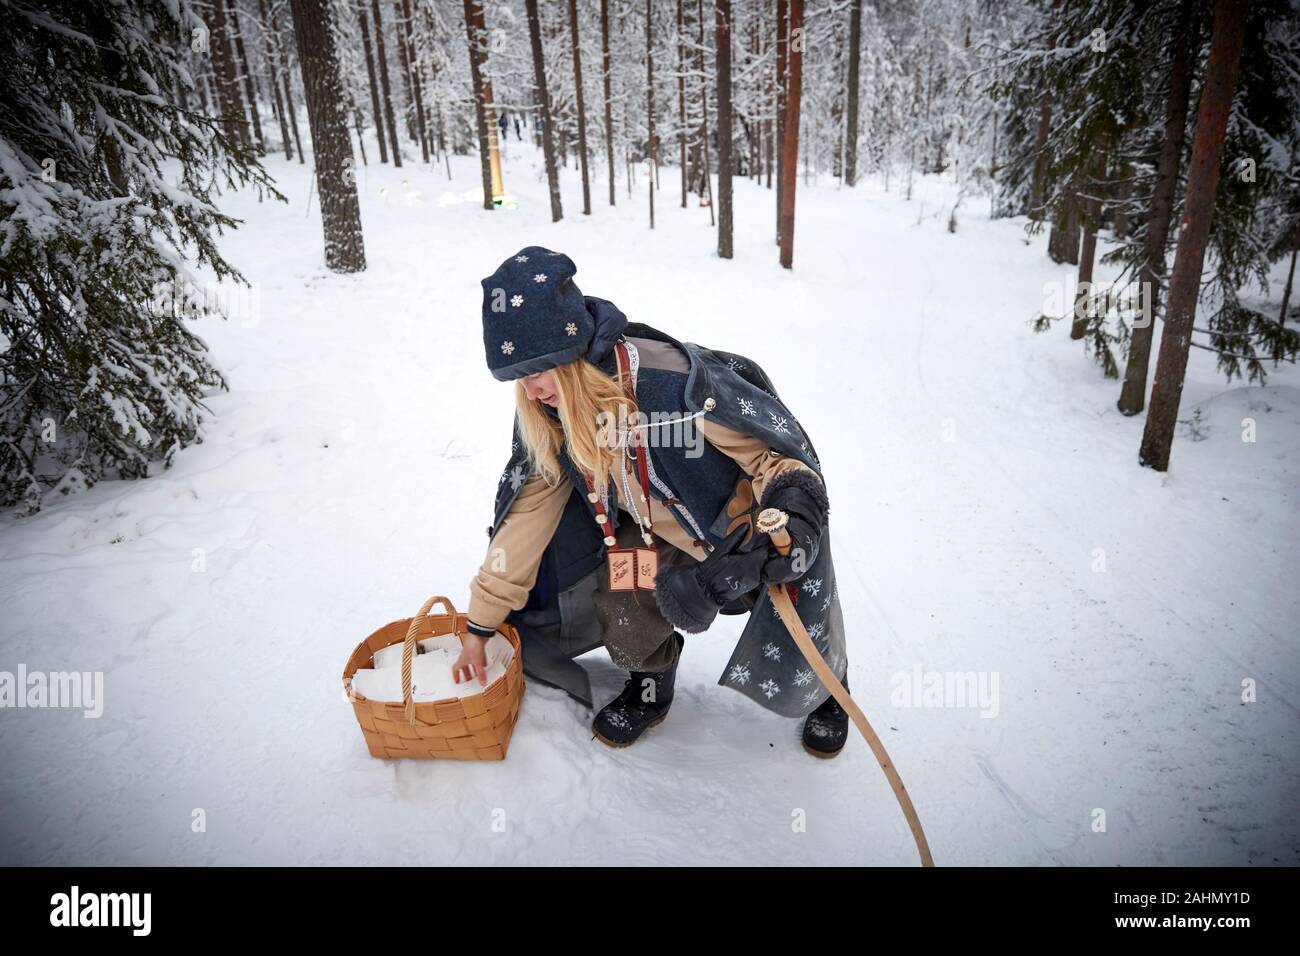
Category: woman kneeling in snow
<point>607,428</point>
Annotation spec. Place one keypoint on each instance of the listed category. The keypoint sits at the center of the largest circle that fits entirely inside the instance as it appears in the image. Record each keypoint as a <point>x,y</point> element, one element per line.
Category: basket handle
<point>408,647</point>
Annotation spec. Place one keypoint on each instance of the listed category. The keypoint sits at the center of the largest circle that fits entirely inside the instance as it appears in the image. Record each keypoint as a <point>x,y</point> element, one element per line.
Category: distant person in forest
<point>625,514</point>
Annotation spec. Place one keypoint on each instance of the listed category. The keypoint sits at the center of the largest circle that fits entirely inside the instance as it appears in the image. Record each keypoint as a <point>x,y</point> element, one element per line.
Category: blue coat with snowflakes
<point>766,665</point>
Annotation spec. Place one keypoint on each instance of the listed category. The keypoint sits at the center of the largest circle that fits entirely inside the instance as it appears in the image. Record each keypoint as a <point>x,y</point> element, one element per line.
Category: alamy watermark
<point>660,430</point>
<point>183,299</point>
<point>76,908</point>
<point>946,689</point>
<point>1133,302</point>
<point>83,690</point>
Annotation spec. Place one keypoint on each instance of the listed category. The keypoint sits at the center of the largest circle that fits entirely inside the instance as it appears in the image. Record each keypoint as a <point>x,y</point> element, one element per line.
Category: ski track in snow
<point>349,473</point>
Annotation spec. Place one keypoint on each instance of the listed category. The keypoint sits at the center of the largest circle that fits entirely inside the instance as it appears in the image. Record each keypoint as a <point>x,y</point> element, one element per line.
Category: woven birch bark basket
<point>477,727</point>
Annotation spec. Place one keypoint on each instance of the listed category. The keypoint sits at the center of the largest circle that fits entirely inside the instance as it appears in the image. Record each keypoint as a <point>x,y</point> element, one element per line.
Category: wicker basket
<point>456,728</point>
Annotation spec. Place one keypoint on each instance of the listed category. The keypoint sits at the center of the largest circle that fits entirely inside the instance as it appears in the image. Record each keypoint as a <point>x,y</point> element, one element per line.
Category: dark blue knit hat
<point>534,316</point>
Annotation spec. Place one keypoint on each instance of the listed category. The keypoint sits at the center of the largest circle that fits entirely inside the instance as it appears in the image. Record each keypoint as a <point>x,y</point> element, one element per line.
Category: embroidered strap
<point>602,515</point>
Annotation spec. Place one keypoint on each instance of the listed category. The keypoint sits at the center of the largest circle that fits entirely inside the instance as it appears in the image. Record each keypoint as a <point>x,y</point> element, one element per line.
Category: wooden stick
<point>772,522</point>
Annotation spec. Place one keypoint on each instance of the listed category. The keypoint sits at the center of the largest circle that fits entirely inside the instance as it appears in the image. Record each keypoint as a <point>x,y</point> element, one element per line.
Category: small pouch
<point>632,569</point>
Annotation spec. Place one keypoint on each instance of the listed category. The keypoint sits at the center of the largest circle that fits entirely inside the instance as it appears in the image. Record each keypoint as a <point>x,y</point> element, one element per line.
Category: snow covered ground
<point>990,517</point>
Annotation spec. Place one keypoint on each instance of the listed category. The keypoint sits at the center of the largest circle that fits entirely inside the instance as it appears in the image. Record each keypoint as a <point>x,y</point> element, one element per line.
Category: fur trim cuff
<point>805,480</point>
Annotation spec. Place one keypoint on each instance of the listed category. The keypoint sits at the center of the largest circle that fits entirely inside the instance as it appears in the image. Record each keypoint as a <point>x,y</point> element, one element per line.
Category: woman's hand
<point>472,661</point>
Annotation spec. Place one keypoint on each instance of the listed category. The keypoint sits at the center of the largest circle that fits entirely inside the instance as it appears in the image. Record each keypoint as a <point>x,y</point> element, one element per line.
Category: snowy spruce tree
<point>1115,86</point>
<point>1080,71</point>
<point>107,187</point>
<point>1258,185</point>
<point>1255,206</point>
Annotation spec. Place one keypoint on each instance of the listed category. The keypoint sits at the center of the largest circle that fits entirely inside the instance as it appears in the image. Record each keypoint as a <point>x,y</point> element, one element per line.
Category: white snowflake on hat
<point>507,347</point>
<point>746,406</point>
<point>540,277</point>
<point>521,258</point>
<point>778,423</point>
<point>571,328</point>
<point>516,300</point>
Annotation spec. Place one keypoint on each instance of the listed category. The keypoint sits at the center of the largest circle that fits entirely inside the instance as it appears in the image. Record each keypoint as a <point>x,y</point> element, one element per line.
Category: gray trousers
<point>636,635</point>
<point>588,615</point>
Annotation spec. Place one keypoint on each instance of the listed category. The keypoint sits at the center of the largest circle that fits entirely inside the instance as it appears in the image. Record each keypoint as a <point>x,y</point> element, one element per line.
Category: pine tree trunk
<point>415,80</point>
<point>544,107</point>
<point>374,84</point>
<point>722,52</point>
<point>627,153</point>
<point>313,25</point>
<point>361,137</point>
<point>706,165</point>
<point>433,111</point>
<point>1083,303</point>
<point>582,108</point>
<point>1123,175</point>
<point>381,64</point>
<point>231,100</point>
<point>769,125</point>
<point>681,95</point>
<point>1063,243</point>
<point>753,133</point>
<point>1037,183</point>
<point>490,117</point>
<point>201,84</point>
<point>782,88</point>
<point>277,106</point>
<point>851,122</point>
<point>273,58</point>
<point>1133,394</point>
<point>442,137</point>
<point>477,40</point>
<point>1202,184</point>
<point>609,108</point>
<point>650,108</point>
<point>404,67</point>
<point>288,91</point>
<point>1286,292</point>
<point>790,151</point>
<point>249,93</point>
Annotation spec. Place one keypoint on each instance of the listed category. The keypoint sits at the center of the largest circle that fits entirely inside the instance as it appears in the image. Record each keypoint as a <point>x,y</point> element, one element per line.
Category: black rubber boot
<point>827,728</point>
<point>626,717</point>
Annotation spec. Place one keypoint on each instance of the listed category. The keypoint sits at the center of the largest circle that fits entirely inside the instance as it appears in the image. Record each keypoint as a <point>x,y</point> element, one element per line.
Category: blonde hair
<point>591,407</point>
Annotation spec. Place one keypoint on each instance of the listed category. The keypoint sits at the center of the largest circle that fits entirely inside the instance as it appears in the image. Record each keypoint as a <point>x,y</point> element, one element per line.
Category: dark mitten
<point>689,595</point>
<point>733,568</point>
<point>801,495</point>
